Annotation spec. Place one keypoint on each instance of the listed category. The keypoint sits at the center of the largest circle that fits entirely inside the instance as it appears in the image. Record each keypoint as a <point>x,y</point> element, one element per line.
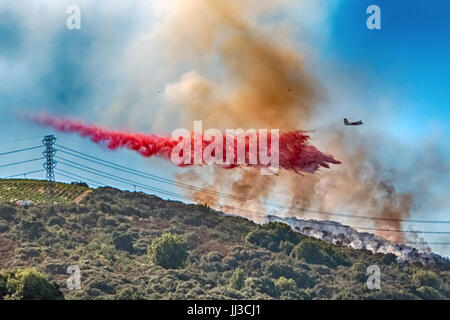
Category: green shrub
<point>274,236</point>
<point>4,227</point>
<point>89,219</point>
<point>261,285</point>
<point>320,252</point>
<point>287,289</point>
<point>237,280</point>
<point>285,285</point>
<point>357,272</point>
<point>286,247</point>
<point>32,229</point>
<point>358,267</point>
<point>107,222</point>
<point>28,284</point>
<point>276,269</point>
<point>310,251</point>
<point>169,251</point>
<point>427,278</point>
<point>123,242</point>
<point>56,221</point>
<point>213,256</point>
<point>429,293</point>
<point>322,291</point>
<point>3,282</point>
<point>7,212</point>
<point>389,258</point>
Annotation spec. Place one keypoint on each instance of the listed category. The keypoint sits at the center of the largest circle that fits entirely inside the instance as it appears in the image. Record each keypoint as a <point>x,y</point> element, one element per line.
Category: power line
<point>20,162</point>
<point>20,150</point>
<point>428,243</point>
<point>377,229</point>
<point>21,174</point>
<point>320,222</point>
<point>127,181</point>
<point>404,231</point>
<point>235,197</point>
<point>148,175</point>
<point>142,174</point>
<point>124,180</point>
<point>330,223</point>
<point>74,176</point>
<point>131,182</point>
<point>22,139</point>
<point>121,179</point>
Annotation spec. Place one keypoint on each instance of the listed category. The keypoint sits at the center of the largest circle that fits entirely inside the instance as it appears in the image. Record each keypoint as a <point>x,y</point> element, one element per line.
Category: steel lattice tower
<point>50,163</point>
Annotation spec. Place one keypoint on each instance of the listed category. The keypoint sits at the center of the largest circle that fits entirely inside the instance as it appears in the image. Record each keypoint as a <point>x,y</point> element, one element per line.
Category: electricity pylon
<point>50,163</point>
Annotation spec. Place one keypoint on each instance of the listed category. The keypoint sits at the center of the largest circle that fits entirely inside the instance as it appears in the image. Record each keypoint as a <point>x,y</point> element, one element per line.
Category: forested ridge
<point>131,245</point>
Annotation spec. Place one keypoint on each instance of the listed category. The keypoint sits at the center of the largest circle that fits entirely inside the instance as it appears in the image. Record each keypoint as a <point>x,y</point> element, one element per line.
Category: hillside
<point>35,191</point>
<point>106,233</point>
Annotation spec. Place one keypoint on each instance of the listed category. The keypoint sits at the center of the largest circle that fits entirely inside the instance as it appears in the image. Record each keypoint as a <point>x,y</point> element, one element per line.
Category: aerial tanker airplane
<point>356,123</point>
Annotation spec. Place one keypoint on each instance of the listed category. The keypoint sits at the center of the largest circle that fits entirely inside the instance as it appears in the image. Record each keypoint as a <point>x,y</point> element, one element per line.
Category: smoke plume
<point>238,74</point>
<point>264,83</point>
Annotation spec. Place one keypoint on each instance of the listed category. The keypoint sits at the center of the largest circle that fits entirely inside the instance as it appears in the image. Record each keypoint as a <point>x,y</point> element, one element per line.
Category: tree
<point>262,285</point>
<point>169,251</point>
<point>28,284</point>
<point>123,242</point>
<point>276,269</point>
<point>429,293</point>
<point>287,288</point>
<point>237,279</point>
<point>320,252</point>
<point>427,278</point>
<point>3,287</point>
<point>275,236</point>
<point>310,251</point>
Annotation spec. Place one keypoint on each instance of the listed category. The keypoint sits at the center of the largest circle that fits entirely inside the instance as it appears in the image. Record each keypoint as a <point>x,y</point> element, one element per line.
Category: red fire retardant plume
<point>294,151</point>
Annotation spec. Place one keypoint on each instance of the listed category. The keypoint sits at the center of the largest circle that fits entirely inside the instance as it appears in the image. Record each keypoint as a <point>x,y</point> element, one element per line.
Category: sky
<point>408,56</point>
<point>395,79</point>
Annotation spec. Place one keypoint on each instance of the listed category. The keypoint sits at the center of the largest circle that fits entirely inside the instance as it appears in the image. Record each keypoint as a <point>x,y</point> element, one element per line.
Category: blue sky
<point>408,56</point>
<point>407,64</point>
<point>397,78</point>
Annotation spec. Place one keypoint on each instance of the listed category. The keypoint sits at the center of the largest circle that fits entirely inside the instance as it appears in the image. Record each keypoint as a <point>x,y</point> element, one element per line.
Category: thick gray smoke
<point>339,234</point>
